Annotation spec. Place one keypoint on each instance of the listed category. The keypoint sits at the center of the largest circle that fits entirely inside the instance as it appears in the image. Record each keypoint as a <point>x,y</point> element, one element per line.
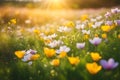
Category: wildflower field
<point>59,45</point>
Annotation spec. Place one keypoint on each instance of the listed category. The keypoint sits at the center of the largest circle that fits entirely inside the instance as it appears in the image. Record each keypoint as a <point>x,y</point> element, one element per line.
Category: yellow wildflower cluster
<point>20,54</point>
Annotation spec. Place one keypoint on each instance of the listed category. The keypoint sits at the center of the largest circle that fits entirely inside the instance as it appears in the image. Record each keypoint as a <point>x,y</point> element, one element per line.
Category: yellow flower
<point>19,54</point>
<point>55,62</point>
<point>52,31</point>
<point>104,36</point>
<point>95,56</point>
<point>70,24</point>
<point>49,52</point>
<point>47,32</point>
<point>93,68</point>
<point>21,30</point>
<point>119,36</point>
<point>36,31</point>
<point>62,54</point>
<point>35,57</point>
<point>47,41</point>
<point>113,26</point>
<point>106,28</point>
<point>13,21</point>
<point>90,24</point>
<point>96,35</point>
<point>74,60</point>
<point>86,36</point>
<point>84,17</point>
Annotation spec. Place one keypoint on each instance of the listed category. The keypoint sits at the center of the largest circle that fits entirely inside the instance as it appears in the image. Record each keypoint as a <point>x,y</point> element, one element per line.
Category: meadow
<point>59,44</point>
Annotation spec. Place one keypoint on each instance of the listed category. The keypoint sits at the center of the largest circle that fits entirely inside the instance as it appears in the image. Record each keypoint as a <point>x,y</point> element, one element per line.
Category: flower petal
<point>91,41</point>
<point>111,62</point>
<point>104,64</point>
<point>115,65</point>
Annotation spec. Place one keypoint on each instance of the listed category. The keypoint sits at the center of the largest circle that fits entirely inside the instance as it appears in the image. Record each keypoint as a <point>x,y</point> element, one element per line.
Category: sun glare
<point>54,4</point>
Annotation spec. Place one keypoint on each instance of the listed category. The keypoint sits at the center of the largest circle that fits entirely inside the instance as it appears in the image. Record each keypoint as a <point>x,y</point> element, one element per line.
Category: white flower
<point>30,30</point>
<point>55,43</point>
<point>86,32</point>
<point>63,49</point>
<point>3,30</point>
<point>97,24</point>
<point>42,34</point>
<point>93,20</point>
<point>53,36</point>
<point>28,55</point>
<point>62,37</point>
<point>48,37</point>
<point>28,21</point>
<point>30,51</point>
<point>18,32</point>
<point>30,63</point>
<point>64,29</point>
<point>80,45</point>
<point>78,22</point>
<point>99,17</point>
<point>78,26</point>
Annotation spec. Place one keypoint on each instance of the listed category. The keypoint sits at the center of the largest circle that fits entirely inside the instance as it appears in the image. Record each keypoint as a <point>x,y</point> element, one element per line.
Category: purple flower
<point>117,22</point>
<point>110,23</point>
<point>30,51</point>
<point>33,52</point>
<point>80,45</point>
<point>108,14</point>
<point>95,41</point>
<point>110,64</point>
<point>114,11</point>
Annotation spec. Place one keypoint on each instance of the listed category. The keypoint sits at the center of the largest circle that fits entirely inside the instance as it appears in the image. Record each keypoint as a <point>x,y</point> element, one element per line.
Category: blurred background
<point>40,12</point>
<point>61,4</point>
